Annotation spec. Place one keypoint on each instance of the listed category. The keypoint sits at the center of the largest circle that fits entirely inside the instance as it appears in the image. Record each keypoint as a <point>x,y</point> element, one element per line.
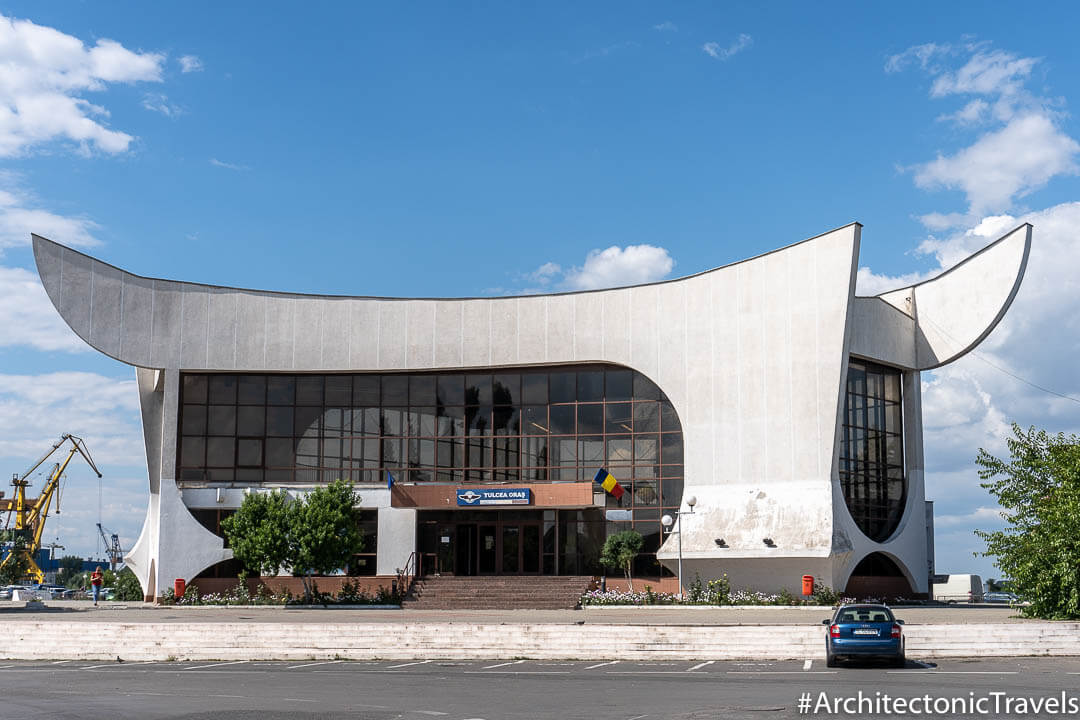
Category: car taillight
<point>896,631</point>
<point>834,630</point>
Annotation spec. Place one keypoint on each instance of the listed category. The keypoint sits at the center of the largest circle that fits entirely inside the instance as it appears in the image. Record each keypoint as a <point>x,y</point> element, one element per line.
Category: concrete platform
<point>149,633</point>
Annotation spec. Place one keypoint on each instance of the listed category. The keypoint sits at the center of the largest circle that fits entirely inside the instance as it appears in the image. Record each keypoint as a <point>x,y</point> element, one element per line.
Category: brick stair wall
<point>502,592</point>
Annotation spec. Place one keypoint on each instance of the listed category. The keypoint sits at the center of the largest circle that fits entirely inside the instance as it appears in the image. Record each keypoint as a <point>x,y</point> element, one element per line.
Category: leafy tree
<point>70,566</point>
<point>15,566</point>
<point>313,536</point>
<point>258,532</point>
<point>127,586</point>
<point>324,531</point>
<point>1039,491</point>
<point>620,550</point>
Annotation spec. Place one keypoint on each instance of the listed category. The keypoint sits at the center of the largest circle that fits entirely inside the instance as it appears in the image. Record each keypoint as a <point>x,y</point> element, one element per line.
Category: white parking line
<point>325,662</point>
<point>954,672</point>
<point>781,672</point>
<point>420,662</point>
<point>60,662</point>
<point>806,664</point>
<point>492,667</point>
<point>2,667</point>
<point>202,667</point>
<point>701,665</point>
<point>591,667</point>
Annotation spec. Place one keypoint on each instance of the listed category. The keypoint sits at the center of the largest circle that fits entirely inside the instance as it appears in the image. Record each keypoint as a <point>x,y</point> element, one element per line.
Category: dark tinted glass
<point>280,390</point>
<point>451,390</point>
<point>422,390</point>
<point>590,386</point>
<point>221,420</point>
<point>477,389</point>
<point>309,390</point>
<point>366,390</point>
<point>338,390</point>
<point>562,387</point>
<point>252,389</point>
<point>395,389</point>
<point>195,388</point>
<point>534,388</point>
<point>506,390</point>
<point>644,388</point>
<point>223,389</point>
<point>619,385</point>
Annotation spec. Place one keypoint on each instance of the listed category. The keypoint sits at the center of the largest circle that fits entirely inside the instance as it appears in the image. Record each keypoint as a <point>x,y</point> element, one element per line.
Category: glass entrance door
<point>487,548</point>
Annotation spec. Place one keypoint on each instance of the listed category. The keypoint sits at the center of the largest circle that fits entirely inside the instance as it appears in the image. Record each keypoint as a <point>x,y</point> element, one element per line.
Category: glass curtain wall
<point>872,449</point>
<point>529,425</point>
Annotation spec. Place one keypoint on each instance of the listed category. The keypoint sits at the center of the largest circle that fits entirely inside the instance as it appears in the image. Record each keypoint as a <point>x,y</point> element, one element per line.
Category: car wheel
<point>900,661</point>
<point>831,661</point>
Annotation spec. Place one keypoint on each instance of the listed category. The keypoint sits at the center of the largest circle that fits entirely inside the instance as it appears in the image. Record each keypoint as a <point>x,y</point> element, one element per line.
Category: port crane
<point>30,514</point>
<point>112,547</point>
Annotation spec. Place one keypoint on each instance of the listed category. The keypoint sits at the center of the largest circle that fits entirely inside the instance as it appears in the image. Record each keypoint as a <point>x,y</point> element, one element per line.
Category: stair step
<point>498,592</point>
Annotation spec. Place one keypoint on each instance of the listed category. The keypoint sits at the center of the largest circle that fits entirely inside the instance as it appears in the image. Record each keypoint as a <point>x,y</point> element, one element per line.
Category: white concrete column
<point>397,539</point>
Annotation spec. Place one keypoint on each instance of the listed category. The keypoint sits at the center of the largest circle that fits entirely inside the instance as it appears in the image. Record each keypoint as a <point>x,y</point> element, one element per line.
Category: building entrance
<point>484,542</point>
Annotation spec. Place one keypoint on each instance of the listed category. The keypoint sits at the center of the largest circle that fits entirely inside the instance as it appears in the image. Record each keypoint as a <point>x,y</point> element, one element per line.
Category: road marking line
<point>701,665</point>
<point>427,712</point>
<point>956,672</point>
<point>806,664</point>
<point>591,667</point>
<point>300,700</point>
<point>421,662</point>
<point>782,672</point>
<point>652,672</point>
<point>5,666</point>
<point>638,717</point>
<point>201,667</point>
<point>522,672</point>
<point>61,662</point>
<point>491,667</point>
<point>325,662</point>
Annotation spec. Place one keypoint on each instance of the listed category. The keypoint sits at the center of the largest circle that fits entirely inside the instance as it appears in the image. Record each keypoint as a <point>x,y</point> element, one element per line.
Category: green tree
<point>15,567</point>
<point>1038,488</point>
<point>324,532</point>
<point>258,532</point>
<point>620,550</point>
<point>70,566</point>
<point>127,586</point>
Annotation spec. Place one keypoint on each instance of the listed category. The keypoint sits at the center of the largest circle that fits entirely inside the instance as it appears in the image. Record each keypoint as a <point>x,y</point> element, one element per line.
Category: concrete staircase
<point>501,592</point>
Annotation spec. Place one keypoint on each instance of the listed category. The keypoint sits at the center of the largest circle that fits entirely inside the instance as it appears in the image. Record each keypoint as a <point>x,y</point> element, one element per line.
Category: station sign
<point>494,496</point>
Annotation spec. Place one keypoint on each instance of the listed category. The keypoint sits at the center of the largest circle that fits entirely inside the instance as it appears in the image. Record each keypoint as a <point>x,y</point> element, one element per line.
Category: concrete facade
<point>753,357</point>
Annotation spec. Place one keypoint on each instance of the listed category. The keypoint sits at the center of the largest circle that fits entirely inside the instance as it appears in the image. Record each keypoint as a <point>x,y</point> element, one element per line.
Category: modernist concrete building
<point>788,406</point>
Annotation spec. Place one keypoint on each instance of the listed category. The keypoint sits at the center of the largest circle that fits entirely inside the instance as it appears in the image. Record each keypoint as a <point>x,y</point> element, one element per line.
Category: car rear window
<point>866,615</point>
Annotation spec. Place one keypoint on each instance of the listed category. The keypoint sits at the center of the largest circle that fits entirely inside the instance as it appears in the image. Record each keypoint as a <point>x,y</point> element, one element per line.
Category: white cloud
<point>20,216</point>
<point>1022,146</point>
<point>979,516</point>
<point>666,26</point>
<point>615,267</point>
<point>190,63</point>
<point>1003,165</point>
<point>713,49</point>
<point>227,165</point>
<point>42,72</point>
<point>28,316</point>
<point>159,103</point>
<point>36,409</point>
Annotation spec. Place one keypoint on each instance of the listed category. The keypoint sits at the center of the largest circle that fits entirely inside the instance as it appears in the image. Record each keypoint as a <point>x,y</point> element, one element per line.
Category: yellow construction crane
<point>30,514</point>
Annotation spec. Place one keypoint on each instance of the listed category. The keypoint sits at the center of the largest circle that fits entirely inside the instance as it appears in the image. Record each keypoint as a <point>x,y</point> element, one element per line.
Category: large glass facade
<point>552,424</point>
<point>872,449</point>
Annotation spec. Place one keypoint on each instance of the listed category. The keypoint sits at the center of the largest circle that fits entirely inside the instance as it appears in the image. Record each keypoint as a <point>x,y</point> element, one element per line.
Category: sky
<point>481,149</point>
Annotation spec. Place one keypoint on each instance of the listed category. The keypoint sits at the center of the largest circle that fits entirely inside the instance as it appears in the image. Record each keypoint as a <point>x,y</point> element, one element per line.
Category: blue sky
<point>478,149</point>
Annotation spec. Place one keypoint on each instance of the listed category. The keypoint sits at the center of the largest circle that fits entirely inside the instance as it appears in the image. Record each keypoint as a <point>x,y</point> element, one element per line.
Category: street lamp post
<point>668,522</point>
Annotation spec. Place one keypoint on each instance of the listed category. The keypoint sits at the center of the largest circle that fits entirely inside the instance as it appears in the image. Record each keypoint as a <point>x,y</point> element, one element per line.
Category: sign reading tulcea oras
<point>494,496</point>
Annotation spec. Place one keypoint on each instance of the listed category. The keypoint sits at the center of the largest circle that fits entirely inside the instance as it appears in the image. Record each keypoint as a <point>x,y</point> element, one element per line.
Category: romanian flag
<point>609,483</point>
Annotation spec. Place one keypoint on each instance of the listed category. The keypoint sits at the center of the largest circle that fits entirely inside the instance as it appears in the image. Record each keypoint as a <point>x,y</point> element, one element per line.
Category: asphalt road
<point>509,689</point>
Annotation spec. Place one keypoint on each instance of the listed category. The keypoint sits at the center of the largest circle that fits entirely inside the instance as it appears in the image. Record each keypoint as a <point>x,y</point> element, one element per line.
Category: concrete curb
<point>36,640</point>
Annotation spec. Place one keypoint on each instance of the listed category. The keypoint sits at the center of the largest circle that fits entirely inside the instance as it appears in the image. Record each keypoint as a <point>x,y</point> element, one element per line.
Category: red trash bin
<point>179,587</point>
<point>807,584</point>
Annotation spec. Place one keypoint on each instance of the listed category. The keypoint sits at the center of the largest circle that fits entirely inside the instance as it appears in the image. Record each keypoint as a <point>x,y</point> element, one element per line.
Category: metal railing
<point>407,575</point>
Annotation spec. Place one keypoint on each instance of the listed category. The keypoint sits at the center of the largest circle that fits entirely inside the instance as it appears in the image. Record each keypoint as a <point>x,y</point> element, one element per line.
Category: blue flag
<point>389,481</point>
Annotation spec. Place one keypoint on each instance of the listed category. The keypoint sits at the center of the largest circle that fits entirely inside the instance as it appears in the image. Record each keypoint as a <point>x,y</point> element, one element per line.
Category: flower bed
<point>350,594</point>
<point>714,592</point>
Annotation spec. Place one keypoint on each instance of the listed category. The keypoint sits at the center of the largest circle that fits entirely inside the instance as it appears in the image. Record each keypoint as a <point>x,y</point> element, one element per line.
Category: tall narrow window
<point>872,450</point>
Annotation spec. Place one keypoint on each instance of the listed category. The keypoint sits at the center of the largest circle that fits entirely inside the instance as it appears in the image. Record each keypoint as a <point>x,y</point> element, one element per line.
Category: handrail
<point>407,575</point>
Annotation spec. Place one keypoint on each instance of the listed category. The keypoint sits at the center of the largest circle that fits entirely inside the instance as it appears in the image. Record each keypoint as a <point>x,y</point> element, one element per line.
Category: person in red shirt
<point>96,579</point>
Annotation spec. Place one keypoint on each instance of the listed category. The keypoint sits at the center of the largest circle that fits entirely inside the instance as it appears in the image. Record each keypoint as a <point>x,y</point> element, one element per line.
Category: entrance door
<point>465,549</point>
<point>487,550</point>
<point>520,548</point>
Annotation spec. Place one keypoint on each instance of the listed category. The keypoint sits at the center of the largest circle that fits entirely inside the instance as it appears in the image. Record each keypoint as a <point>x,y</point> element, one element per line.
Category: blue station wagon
<point>865,631</point>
